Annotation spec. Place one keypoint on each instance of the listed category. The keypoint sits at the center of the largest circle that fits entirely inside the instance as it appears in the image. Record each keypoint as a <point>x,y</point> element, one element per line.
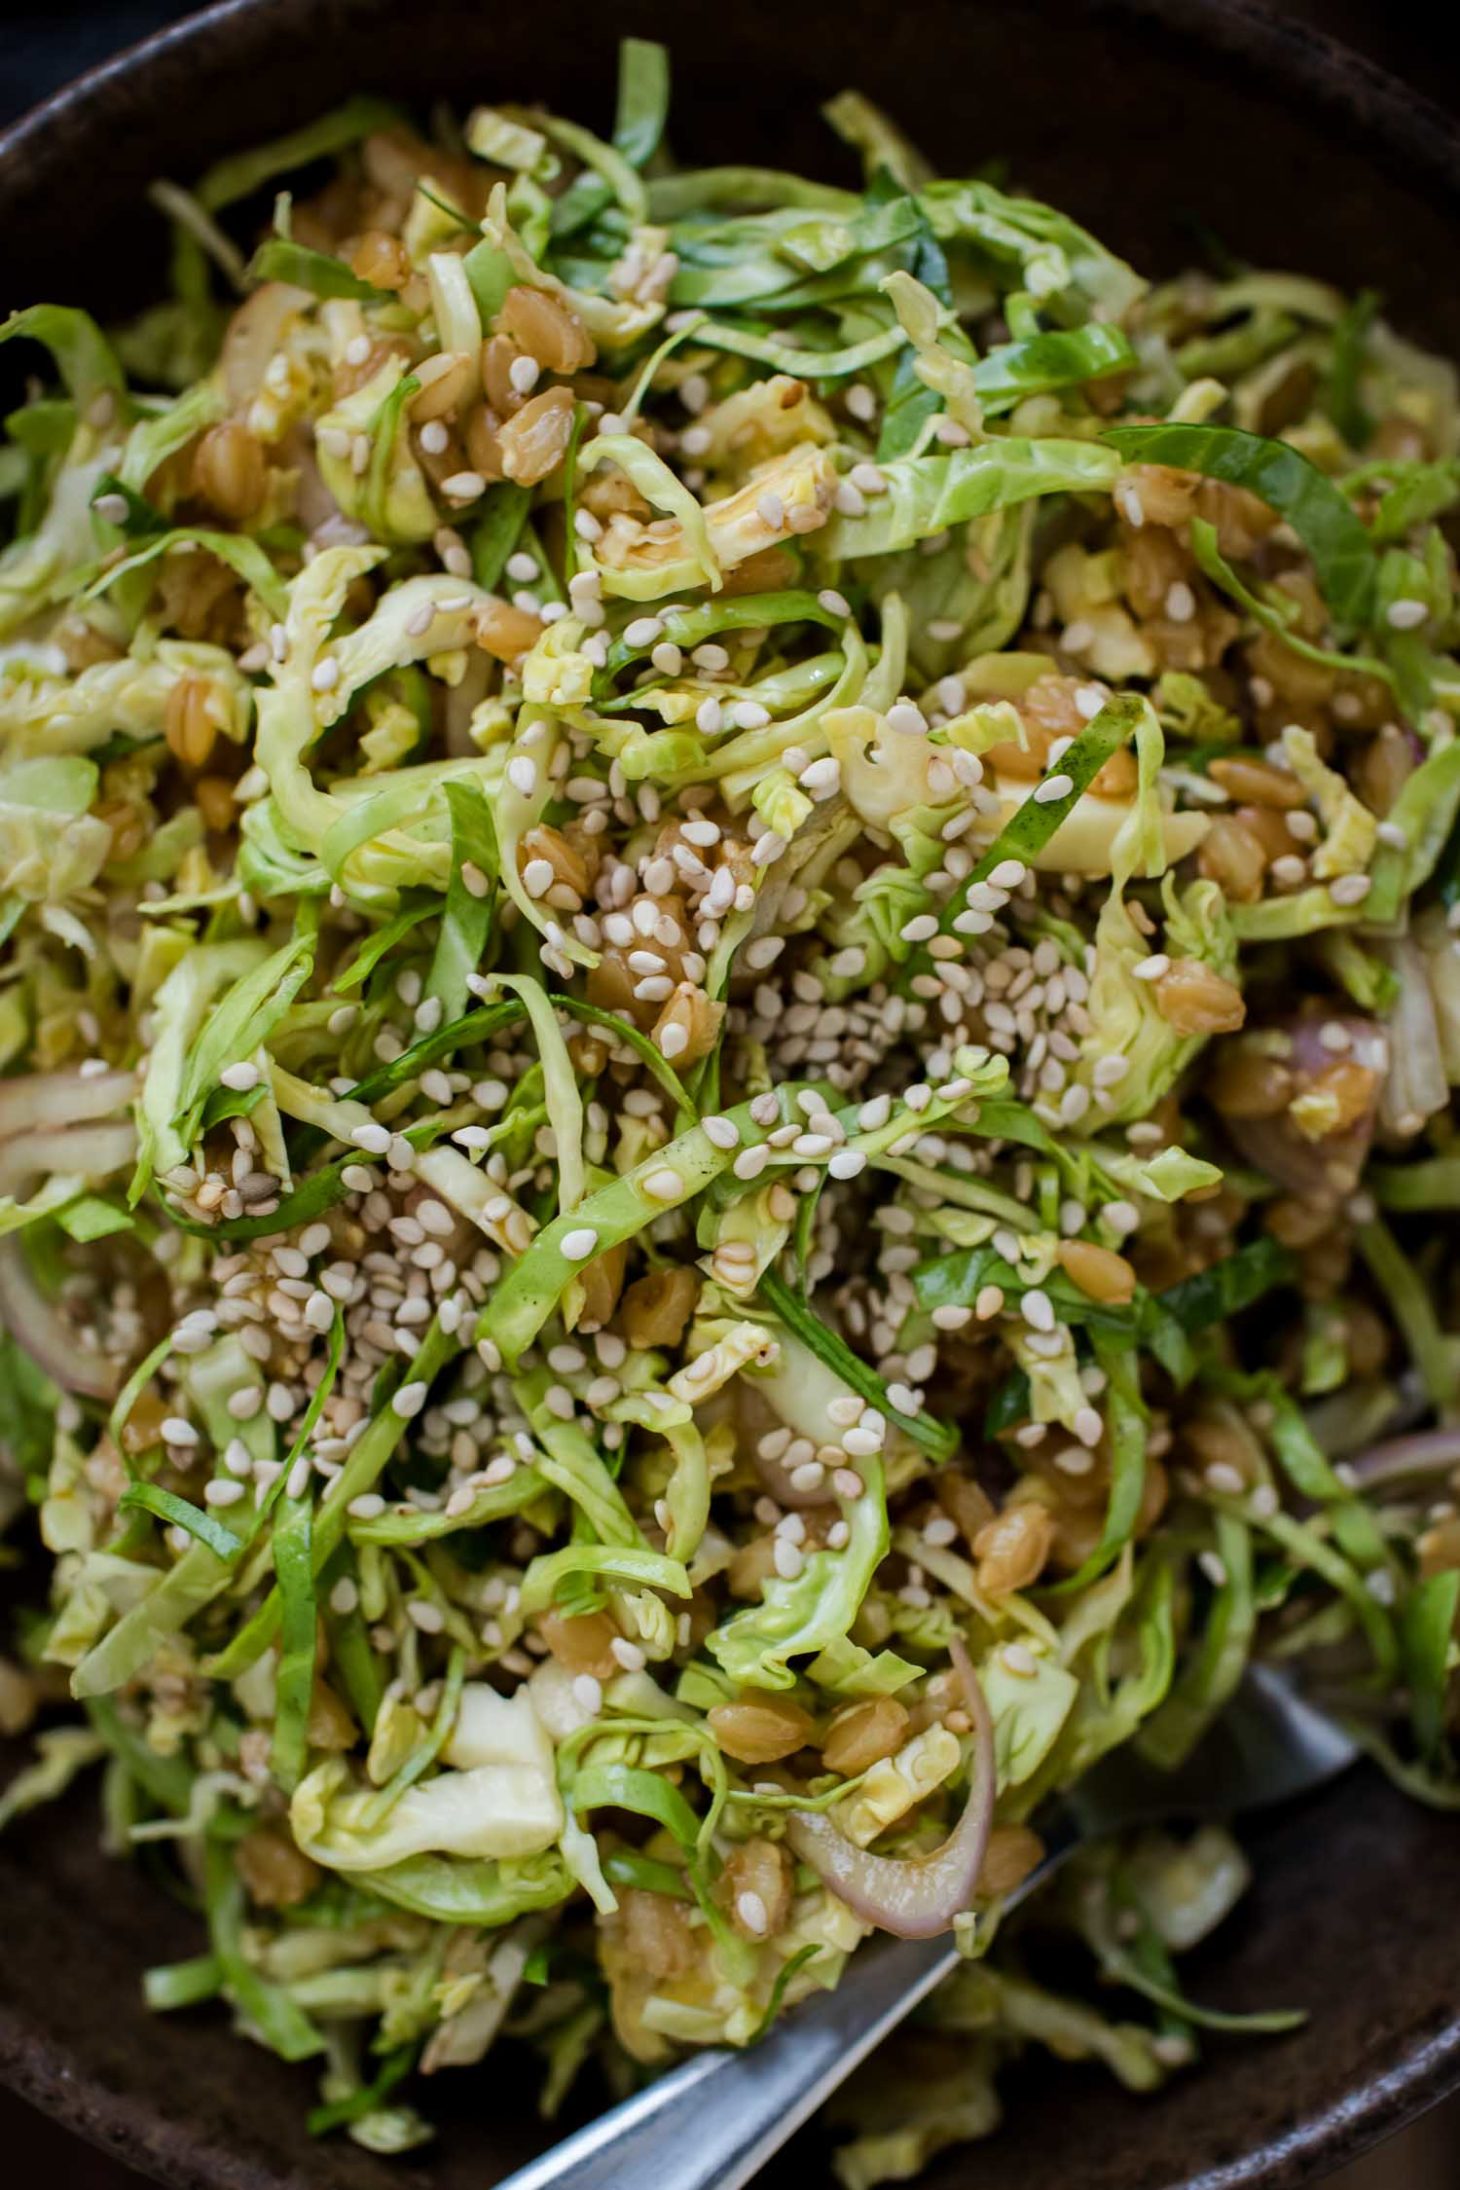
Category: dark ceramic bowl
<point>1142,116</point>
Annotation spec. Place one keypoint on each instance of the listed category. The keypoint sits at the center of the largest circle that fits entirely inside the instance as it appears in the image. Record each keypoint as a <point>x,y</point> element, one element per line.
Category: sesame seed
<point>1350,889</point>
<point>787,1559</point>
<point>909,720</point>
<point>580,1243</point>
<point>752,1912</point>
<point>1406,615</point>
<point>1037,1310</point>
<point>1052,789</point>
<point>867,479</point>
<point>1152,968</point>
<point>409,1401</point>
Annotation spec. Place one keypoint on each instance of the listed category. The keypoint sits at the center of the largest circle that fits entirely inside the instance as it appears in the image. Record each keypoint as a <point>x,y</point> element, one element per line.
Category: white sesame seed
<point>787,1559</point>
<point>580,1243</point>
<point>177,1431</point>
<point>909,720</point>
<point>1052,789</point>
<point>588,1694</point>
<point>409,1401</point>
<point>752,1912</point>
<point>1037,1310</point>
<point>1406,615</point>
<point>1350,889</point>
<point>1152,968</point>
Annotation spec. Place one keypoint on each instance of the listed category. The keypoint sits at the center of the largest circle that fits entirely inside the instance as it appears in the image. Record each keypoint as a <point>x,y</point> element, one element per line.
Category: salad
<point>729,1001</point>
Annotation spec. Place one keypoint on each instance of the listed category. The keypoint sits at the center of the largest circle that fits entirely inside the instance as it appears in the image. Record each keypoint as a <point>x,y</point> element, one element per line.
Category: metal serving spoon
<point>713,2122</point>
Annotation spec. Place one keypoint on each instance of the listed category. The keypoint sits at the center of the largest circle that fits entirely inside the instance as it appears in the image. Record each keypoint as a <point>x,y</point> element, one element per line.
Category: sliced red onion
<point>44,1101</point>
<point>85,1152</point>
<point>39,1328</point>
<point>35,1142</point>
<point>1329,1170</point>
<point>254,333</point>
<point>1416,1084</point>
<point>916,1897</point>
<point>1405,1459</point>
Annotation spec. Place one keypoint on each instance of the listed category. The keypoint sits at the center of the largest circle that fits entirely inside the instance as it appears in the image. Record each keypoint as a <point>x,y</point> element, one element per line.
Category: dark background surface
<point>40,49</point>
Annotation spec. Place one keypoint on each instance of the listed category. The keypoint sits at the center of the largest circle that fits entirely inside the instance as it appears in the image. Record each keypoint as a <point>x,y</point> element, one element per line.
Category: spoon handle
<point>713,2122</point>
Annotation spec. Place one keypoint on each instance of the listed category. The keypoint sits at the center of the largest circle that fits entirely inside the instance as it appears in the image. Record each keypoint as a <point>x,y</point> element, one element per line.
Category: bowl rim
<point>1299,58</point>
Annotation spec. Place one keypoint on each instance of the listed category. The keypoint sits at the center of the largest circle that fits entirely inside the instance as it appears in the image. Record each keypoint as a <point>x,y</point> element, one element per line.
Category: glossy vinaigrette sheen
<point>730,990</point>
